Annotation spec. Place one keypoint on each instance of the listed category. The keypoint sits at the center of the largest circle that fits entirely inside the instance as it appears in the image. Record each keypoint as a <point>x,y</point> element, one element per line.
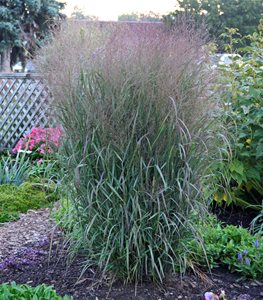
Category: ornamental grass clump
<point>133,102</point>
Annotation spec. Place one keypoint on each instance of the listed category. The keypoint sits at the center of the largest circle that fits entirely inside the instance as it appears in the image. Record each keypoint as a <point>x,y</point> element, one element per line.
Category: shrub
<point>133,102</point>
<point>231,246</point>
<point>18,199</point>
<point>243,100</point>
<point>13,291</point>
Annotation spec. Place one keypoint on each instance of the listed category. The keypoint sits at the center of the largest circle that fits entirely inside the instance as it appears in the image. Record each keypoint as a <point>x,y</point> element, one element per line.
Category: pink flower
<point>40,139</point>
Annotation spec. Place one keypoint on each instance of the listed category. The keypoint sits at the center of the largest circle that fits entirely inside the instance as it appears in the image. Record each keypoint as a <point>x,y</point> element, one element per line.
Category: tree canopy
<point>79,14</point>
<point>219,14</point>
<point>134,17</point>
<point>24,24</point>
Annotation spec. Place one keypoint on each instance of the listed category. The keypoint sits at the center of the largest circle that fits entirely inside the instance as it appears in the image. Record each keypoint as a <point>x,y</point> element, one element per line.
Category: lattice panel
<point>24,104</point>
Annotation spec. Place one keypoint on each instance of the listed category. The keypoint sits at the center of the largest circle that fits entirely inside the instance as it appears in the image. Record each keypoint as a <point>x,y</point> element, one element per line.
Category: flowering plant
<point>231,246</point>
<point>40,141</point>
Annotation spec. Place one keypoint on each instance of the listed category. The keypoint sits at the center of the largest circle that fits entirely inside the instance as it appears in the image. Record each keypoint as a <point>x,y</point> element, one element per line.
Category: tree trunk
<point>5,61</point>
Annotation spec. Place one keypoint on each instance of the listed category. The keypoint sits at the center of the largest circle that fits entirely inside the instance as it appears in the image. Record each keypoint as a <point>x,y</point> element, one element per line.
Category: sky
<point>111,9</point>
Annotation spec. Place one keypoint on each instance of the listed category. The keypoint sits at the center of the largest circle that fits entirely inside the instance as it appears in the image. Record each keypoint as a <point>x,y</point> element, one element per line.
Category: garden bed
<point>53,270</point>
<point>35,264</point>
<point>32,227</point>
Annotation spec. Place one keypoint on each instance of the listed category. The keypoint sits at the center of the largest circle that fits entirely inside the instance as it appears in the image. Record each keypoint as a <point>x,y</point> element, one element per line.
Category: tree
<point>78,14</point>
<point>23,25</point>
<point>140,17</point>
<point>219,14</point>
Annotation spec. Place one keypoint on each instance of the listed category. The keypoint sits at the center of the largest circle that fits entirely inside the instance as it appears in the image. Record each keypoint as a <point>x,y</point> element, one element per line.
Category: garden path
<point>34,226</point>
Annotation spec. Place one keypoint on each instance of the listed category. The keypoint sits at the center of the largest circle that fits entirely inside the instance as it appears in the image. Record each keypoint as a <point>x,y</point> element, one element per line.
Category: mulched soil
<point>37,264</point>
<point>45,262</point>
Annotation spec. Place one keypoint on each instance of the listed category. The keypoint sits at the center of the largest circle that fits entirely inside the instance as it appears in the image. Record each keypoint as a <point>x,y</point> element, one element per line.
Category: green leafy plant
<point>243,102</point>
<point>49,171</point>
<point>66,217</point>
<point>18,199</point>
<point>13,291</point>
<point>231,246</point>
<point>14,171</point>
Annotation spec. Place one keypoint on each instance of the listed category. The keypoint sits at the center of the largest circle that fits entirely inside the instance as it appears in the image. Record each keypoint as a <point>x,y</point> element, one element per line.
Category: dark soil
<point>234,215</point>
<point>35,265</point>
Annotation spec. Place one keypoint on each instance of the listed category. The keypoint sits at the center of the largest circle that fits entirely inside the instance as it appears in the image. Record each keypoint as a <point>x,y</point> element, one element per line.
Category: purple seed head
<point>256,243</point>
<point>248,261</point>
<point>239,256</point>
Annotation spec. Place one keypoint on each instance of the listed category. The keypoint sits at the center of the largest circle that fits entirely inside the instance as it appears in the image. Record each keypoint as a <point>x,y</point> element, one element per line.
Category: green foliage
<point>18,199</point>
<point>257,223</point>
<point>133,106</point>
<point>66,217</point>
<point>20,169</point>
<point>219,14</point>
<point>13,291</point>
<point>78,14</point>
<point>231,246</point>
<point>243,102</point>
<point>25,23</point>
<point>136,17</point>
<point>14,171</point>
<point>46,171</point>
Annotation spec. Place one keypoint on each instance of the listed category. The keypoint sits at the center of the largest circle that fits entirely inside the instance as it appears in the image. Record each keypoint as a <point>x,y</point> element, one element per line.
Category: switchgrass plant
<point>257,222</point>
<point>134,104</point>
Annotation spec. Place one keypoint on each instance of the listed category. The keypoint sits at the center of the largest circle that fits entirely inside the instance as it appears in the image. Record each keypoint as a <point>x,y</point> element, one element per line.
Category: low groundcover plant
<point>230,246</point>
<point>18,199</point>
<point>13,291</point>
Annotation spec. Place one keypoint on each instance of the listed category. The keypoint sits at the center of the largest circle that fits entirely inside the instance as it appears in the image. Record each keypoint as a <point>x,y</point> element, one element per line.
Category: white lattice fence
<point>24,104</point>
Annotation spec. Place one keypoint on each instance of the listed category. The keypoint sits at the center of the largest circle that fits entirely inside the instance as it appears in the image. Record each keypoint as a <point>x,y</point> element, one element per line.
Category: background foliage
<point>222,14</point>
<point>24,24</point>
<point>243,103</point>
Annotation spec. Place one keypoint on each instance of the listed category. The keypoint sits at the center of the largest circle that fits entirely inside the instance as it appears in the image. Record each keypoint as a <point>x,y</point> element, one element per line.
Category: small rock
<point>258,283</point>
<point>217,281</point>
<point>246,286</point>
<point>180,297</point>
<point>261,294</point>
<point>245,297</point>
<point>253,283</point>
